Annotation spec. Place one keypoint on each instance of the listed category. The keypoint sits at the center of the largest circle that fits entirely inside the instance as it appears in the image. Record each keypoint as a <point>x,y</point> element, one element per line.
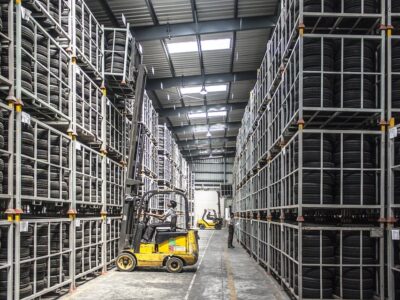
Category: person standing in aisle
<point>231,227</point>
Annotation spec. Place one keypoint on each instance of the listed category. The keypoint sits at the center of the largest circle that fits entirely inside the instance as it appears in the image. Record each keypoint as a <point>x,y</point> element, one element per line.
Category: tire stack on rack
<point>320,87</point>
<point>27,42</point>
<point>78,15</point>
<point>351,184</point>
<point>55,181</point>
<point>312,254</point>
<point>312,179</point>
<point>116,56</point>
<point>3,171</point>
<point>41,250</point>
<point>49,87</point>
<point>27,172</point>
<point>25,272</point>
<point>353,91</point>
<point>82,180</point>
<point>352,278</point>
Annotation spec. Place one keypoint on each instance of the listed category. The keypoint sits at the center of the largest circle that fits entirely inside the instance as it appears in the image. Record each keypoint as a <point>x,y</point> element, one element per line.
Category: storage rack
<point>173,173</point>
<point>393,208</point>
<point>63,132</point>
<point>314,106</point>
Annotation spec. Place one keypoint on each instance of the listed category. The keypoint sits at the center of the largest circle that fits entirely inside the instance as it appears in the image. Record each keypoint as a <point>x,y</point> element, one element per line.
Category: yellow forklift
<point>172,247</point>
<point>210,220</point>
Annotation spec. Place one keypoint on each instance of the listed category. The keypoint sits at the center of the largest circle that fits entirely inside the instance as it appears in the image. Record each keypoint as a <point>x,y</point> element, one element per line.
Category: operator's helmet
<point>173,203</point>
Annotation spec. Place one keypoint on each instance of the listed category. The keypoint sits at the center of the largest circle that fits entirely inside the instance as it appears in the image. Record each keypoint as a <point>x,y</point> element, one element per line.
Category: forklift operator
<point>165,221</point>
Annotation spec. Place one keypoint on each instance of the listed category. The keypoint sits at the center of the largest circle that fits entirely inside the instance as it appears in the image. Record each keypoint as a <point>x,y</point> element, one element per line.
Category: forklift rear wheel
<point>126,262</point>
<point>202,227</point>
<point>174,265</point>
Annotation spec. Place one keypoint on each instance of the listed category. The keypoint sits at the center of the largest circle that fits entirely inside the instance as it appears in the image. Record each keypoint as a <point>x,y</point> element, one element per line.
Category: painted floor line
<point>198,267</point>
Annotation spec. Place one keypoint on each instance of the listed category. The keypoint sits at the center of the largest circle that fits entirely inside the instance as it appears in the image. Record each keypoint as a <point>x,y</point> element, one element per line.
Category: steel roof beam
<point>198,142</point>
<point>203,128</point>
<point>205,147</point>
<point>165,83</point>
<point>166,31</point>
<point>212,124</point>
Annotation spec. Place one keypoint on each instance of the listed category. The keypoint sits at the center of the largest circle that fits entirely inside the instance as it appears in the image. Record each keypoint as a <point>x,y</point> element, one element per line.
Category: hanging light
<point>209,133</point>
<point>203,90</point>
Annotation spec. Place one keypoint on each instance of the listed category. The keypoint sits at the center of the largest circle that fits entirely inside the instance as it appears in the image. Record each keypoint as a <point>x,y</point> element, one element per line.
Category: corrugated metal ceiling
<point>249,49</point>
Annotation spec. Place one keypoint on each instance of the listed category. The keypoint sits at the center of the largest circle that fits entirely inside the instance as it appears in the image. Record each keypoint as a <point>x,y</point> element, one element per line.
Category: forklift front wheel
<point>126,262</point>
<point>174,265</point>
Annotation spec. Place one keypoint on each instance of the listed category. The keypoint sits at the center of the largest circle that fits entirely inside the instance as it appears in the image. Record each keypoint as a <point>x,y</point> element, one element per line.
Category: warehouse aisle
<point>220,274</point>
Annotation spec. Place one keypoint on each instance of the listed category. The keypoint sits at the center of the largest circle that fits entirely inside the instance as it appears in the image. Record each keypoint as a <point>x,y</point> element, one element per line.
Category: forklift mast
<point>129,217</point>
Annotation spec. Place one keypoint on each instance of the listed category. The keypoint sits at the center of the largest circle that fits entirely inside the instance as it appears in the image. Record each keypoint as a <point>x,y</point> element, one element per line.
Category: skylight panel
<point>208,45</point>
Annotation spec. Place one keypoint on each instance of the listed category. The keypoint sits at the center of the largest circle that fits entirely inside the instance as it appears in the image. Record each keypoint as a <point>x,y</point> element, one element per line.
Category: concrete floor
<point>221,273</point>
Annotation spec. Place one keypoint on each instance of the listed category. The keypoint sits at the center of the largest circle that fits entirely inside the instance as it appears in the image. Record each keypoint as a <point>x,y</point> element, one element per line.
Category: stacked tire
<point>41,250</point>
<point>49,88</point>
<point>396,68</point>
<point>52,181</point>
<point>27,41</point>
<point>354,244</point>
<point>27,151</point>
<point>312,179</point>
<point>311,251</point>
<point>25,268</point>
<point>312,82</point>
<point>351,185</point>
<point>59,243</point>
<point>114,60</point>
<point>356,94</point>
<point>4,158</point>
<point>82,179</point>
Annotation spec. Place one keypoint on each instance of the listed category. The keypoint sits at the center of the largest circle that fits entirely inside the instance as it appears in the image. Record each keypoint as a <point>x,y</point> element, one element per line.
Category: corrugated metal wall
<point>211,173</point>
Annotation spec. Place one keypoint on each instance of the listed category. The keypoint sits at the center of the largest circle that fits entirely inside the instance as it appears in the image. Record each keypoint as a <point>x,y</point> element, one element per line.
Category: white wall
<point>206,200</point>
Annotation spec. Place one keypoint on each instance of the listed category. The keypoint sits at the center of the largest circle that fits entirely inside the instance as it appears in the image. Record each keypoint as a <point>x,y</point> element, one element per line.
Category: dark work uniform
<point>148,235</point>
<point>230,232</point>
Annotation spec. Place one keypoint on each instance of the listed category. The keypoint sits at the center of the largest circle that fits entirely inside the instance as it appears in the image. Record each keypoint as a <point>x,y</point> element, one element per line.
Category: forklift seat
<point>171,228</point>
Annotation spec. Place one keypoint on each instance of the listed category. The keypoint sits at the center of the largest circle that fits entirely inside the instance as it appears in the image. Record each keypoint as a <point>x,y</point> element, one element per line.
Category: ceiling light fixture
<point>209,134</point>
<point>198,89</point>
<point>203,91</point>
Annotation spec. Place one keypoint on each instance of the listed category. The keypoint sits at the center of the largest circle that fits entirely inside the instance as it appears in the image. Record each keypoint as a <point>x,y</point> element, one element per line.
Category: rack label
<point>393,132</point>
<point>395,234</point>
<point>26,13</point>
<point>77,223</point>
<point>78,146</point>
<point>108,221</point>
<point>26,118</point>
<point>24,226</point>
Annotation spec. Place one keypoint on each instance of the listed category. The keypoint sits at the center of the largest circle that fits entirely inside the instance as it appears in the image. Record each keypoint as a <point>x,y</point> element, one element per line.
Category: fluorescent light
<point>209,134</point>
<point>182,47</point>
<point>209,89</point>
<point>208,45</point>
<point>217,114</point>
<point>197,115</point>
<point>220,44</point>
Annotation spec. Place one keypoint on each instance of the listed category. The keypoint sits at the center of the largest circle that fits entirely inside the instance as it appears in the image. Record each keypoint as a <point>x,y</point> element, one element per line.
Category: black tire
<point>174,265</point>
<point>126,262</point>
